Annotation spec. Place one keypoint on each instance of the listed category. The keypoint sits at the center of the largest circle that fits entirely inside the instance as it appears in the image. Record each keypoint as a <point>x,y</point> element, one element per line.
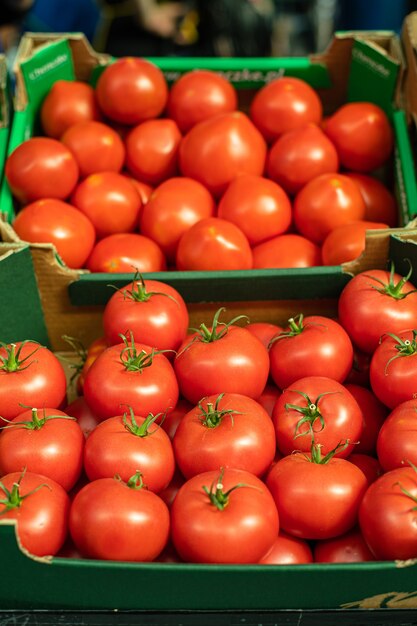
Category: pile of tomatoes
<point>136,174</point>
<point>236,442</point>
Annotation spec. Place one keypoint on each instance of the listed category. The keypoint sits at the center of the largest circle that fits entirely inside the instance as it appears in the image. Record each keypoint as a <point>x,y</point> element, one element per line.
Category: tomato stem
<point>212,416</point>
<point>208,336</point>
<point>13,498</point>
<point>311,413</point>
<point>35,423</point>
<point>142,430</point>
<point>404,347</point>
<point>391,289</point>
<point>133,360</point>
<point>218,497</point>
<point>316,456</point>
<point>12,361</point>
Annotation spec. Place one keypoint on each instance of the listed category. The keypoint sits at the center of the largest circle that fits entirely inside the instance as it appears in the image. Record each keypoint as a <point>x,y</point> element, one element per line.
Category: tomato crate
<point>5,112</point>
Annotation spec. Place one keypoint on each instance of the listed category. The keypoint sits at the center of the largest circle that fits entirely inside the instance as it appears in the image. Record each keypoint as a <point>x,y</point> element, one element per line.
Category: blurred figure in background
<point>12,14</point>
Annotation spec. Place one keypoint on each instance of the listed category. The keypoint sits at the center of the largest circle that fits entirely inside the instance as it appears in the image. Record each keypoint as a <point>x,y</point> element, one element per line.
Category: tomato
<point>47,442</point>
<point>268,398</point>
<point>347,242</point>
<point>314,345</point>
<point>225,430</point>
<point>126,252</point>
<point>216,151</point>
<point>258,206</point>
<point>110,201</point>
<point>327,201</point>
<point>95,146</point>
<point>369,465</point>
<point>380,202</point>
<point>143,189</point>
<point>335,485</point>
<point>169,493</point>
<point>387,516</point>
<point>264,331</point>
<point>173,207</point>
<point>223,517</point>
<point>290,250</point>
<point>396,443</point>
<point>284,104</point>
<point>375,302</point>
<point>359,374</point>
<point>41,168</point>
<point>130,374</point>
<point>362,135</point>
<point>67,103</point>
<point>219,359</point>
<point>199,95</point>
<point>300,155</point>
<point>118,521</point>
<point>288,550</point>
<point>125,444</point>
<point>374,414</point>
<point>153,311</point>
<point>86,419</point>
<point>88,357</point>
<point>348,548</point>
<point>173,418</point>
<point>29,375</point>
<point>40,507</point>
<point>132,90</point>
<point>213,244</point>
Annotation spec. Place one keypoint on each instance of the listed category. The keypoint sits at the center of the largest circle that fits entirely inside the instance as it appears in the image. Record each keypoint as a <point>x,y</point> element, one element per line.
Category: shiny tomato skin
<point>241,533</point>
<point>369,465</point>
<point>348,548</point>
<point>143,189</point>
<point>86,419</point>
<point>283,105</point>
<point>347,242</point>
<point>286,251</point>
<point>374,414</point>
<point>67,103</point>
<point>380,202</point>
<point>264,331</point>
<point>216,151</point>
<point>288,550</point>
<point>59,223</point>
<point>95,146</point>
<point>173,207</point>
<point>327,201</point>
<point>258,206</point>
<point>111,521</point>
<point>126,252</point>
<point>300,155</point>
<point>213,244</point>
<point>132,90</point>
<point>243,439</point>
<point>362,135</point>
<point>268,397</point>
<point>172,420</point>
<point>396,443</point>
<point>41,167</point>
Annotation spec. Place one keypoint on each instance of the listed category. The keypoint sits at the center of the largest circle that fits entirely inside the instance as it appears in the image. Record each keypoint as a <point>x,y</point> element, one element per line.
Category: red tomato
<point>41,168</point>
<point>264,331</point>
<point>213,244</point>
<point>310,346</point>
<point>95,146</point>
<point>258,206</point>
<point>216,151</point>
<point>47,442</point>
<point>132,90</point>
<point>152,150</point>
<point>268,398</point>
<point>126,252</point>
<point>67,103</point>
<point>110,201</point>
<point>86,419</point>
<point>375,302</point>
<point>226,517</point>
<point>88,357</point>
<point>374,414</point>
<point>29,375</point>
<point>317,409</point>
<point>283,105</point>
<point>59,223</point>
<point>221,358</point>
<point>349,548</point>
<point>199,95</point>
<point>226,430</point>
<point>153,311</point>
<point>369,465</point>
<point>168,494</point>
<point>40,506</point>
<point>288,550</point>
<point>144,190</point>
<point>300,155</point>
<point>173,418</point>
<point>118,521</point>
<point>380,202</point>
<point>326,202</point>
<point>362,135</point>
<point>396,444</point>
<point>359,374</point>
<point>347,242</point>
<point>173,207</point>
<point>286,251</point>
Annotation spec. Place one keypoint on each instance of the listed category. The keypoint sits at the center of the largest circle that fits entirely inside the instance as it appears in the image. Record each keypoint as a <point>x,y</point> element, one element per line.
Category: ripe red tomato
<point>213,244</point>
<point>88,357</point>
<point>380,202</point>
<point>223,517</point>
<point>348,548</point>
<point>86,419</point>
<point>95,146</point>
<point>268,398</point>
<point>168,494</point>
<point>264,331</point>
<point>40,506</point>
<point>29,375</point>
<point>216,151</point>
<point>67,103</point>
<point>258,206</point>
<point>374,414</point>
<point>126,252</point>
<point>369,465</point>
<point>132,90</point>
<point>41,168</point>
<point>288,550</point>
<point>199,95</point>
<point>362,135</point>
<point>326,202</point>
<point>225,430</point>
<point>143,189</point>
<point>359,374</point>
<point>290,250</point>
<point>396,443</point>
<point>173,418</point>
<point>300,155</point>
<point>284,104</point>
<point>152,150</point>
<point>118,521</point>
<point>173,207</point>
<point>347,242</point>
